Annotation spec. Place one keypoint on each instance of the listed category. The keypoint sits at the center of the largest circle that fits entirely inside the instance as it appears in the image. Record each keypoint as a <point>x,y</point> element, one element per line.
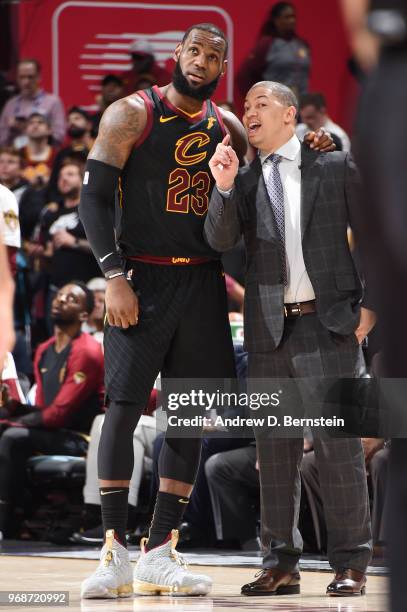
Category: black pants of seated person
<point>17,445</point>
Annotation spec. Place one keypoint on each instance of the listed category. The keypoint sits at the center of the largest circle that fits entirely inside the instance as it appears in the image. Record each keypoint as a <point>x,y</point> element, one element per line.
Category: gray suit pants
<point>310,350</point>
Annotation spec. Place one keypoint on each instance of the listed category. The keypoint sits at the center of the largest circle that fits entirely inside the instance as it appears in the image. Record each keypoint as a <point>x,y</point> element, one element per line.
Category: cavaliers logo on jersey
<point>188,149</point>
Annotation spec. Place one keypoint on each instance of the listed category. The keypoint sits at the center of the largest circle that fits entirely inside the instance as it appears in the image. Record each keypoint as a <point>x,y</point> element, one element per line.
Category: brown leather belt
<point>170,261</point>
<point>299,308</point>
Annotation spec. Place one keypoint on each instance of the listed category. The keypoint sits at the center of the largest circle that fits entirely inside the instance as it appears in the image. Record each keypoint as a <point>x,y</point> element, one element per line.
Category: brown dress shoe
<point>346,583</point>
<point>273,581</point>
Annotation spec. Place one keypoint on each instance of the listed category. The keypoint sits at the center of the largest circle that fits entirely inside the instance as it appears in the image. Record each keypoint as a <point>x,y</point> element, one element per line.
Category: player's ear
<point>177,52</point>
<point>224,67</point>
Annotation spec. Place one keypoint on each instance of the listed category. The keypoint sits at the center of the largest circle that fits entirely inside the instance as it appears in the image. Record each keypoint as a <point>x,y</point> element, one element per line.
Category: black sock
<point>114,502</point>
<point>168,513</point>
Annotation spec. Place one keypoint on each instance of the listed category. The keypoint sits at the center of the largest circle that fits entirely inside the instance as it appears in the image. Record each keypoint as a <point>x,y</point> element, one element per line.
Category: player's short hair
<point>284,94</point>
<point>313,99</point>
<point>208,27</point>
<point>90,299</point>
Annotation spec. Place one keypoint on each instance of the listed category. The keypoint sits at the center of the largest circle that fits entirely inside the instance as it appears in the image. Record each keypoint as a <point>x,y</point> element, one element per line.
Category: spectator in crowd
<point>233,483</point>
<point>69,378</point>
<point>94,324</point>
<point>112,90</point>
<point>63,236</point>
<point>314,115</point>
<point>7,90</point>
<point>11,171</point>
<point>279,54</point>
<point>144,67</point>
<point>39,155</point>
<point>30,99</point>
<point>80,133</point>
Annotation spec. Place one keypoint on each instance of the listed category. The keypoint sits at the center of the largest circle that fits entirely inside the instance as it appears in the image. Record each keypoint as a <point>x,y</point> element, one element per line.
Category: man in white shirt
<point>314,116</point>
<point>305,317</point>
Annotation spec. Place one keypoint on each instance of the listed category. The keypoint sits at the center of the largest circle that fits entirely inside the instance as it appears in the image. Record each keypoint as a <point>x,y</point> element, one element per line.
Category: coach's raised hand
<point>121,303</point>
<point>224,165</point>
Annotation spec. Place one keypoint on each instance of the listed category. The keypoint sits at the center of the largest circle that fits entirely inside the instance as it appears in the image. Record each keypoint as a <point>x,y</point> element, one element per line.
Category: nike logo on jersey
<point>102,259</point>
<point>165,119</point>
<point>184,501</point>
<point>109,492</point>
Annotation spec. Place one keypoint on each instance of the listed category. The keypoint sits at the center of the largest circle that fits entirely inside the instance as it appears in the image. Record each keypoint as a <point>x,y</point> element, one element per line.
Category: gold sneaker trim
<point>149,588</point>
<point>125,590</point>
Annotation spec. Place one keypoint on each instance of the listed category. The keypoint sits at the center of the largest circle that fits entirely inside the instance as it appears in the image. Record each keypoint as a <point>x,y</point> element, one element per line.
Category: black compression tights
<point>179,457</point>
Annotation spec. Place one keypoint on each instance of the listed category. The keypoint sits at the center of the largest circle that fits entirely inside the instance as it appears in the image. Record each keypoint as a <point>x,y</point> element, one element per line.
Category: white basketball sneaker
<point>114,575</point>
<point>162,571</point>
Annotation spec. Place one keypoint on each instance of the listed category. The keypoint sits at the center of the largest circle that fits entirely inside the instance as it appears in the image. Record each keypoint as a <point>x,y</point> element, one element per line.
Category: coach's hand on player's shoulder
<point>224,165</point>
<point>121,303</point>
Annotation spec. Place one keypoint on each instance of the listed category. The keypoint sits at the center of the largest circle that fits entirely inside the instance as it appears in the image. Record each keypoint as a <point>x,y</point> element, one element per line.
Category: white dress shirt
<point>299,287</point>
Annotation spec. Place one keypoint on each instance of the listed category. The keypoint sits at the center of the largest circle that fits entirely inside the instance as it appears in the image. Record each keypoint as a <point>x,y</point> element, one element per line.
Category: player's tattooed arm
<point>121,126</point>
<point>238,138</point>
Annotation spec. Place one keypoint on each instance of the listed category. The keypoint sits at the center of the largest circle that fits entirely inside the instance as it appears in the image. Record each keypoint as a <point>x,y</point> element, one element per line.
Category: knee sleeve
<point>179,459</point>
<point>115,453</point>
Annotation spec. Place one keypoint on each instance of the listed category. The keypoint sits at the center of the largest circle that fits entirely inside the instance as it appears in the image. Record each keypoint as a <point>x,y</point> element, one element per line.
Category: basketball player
<point>165,298</point>
<point>7,336</point>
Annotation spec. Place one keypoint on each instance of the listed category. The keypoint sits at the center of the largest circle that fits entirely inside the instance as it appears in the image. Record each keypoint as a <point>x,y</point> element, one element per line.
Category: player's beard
<point>183,87</point>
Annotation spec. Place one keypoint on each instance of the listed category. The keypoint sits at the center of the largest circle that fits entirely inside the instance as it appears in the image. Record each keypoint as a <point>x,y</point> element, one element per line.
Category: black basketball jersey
<point>166,183</point>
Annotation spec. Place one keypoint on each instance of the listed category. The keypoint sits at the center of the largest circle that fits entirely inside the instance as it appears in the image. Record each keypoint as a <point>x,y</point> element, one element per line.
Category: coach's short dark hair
<point>284,94</point>
<point>208,27</point>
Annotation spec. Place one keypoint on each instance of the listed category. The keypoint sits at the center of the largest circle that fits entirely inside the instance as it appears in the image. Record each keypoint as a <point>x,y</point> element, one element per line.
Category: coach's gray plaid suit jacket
<point>329,194</point>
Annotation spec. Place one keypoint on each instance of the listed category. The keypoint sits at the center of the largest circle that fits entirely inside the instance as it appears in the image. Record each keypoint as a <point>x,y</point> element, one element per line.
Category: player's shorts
<point>183,331</point>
